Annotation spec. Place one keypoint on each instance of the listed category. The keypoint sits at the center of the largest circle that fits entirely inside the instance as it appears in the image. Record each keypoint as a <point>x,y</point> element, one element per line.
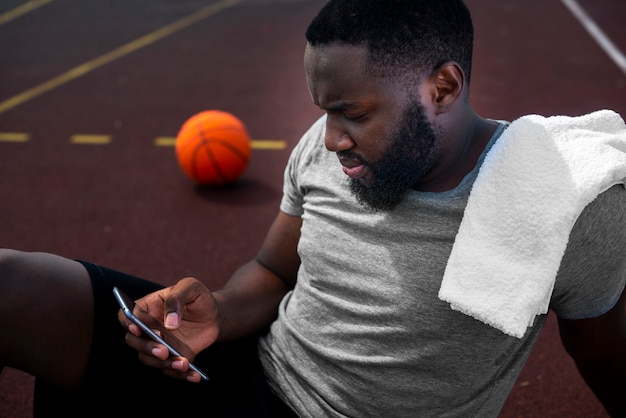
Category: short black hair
<point>400,35</point>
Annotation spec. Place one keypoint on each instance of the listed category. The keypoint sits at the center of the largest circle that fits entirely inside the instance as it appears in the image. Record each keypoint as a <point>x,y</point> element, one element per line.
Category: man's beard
<point>409,156</point>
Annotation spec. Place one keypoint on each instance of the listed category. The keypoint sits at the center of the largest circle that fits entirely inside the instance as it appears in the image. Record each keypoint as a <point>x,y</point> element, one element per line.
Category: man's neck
<point>460,153</point>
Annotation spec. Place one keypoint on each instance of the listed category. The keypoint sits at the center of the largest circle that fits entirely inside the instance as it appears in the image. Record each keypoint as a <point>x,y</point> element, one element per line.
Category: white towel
<point>533,184</point>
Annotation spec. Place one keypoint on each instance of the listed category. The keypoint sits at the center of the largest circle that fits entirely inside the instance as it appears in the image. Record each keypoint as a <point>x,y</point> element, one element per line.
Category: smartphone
<point>127,305</point>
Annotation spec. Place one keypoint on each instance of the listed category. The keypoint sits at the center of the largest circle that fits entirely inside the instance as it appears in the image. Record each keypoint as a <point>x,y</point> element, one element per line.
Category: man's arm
<point>250,299</point>
<point>598,346</point>
<point>245,305</point>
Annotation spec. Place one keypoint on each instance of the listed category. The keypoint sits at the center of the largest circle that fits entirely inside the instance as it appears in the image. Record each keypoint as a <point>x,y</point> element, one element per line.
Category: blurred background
<point>93,93</point>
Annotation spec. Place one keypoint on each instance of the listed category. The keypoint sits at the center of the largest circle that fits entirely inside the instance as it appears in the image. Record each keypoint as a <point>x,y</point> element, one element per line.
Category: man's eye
<point>355,118</point>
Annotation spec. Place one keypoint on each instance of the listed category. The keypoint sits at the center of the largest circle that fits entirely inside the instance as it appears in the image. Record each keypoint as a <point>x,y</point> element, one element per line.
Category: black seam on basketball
<point>216,164</point>
<point>228,145</point>
<point>194,159</point>
<point>212,158</point>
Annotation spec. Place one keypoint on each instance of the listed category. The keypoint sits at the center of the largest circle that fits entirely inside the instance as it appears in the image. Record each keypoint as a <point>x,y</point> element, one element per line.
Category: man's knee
<point>8,258</point>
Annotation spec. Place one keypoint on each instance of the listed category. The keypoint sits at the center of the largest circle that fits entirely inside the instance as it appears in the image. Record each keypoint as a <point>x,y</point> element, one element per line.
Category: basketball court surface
<point>93,93</point>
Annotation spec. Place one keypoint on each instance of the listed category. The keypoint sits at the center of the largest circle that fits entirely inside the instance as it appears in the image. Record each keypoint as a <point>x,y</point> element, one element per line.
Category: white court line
<point>597,33</point>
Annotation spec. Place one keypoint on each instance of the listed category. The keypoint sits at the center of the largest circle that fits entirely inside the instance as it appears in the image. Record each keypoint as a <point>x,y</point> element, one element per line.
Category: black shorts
<point>119,385</point>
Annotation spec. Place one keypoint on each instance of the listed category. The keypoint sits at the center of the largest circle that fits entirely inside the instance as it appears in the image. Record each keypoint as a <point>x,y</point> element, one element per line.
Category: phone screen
<point>127,305</point>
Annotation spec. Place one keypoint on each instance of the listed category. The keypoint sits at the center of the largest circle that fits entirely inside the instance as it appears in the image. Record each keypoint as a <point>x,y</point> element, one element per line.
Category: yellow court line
<point>90,139</point>
<point>13,137</point>
<point>115,54</point>
<point>22,10</point>
<point>161,141</point>
<point>167,141</point>
<point>268,144</point>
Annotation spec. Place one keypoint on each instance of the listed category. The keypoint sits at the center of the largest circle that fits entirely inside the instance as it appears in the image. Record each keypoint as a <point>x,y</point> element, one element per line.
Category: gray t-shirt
<point>364,334</point>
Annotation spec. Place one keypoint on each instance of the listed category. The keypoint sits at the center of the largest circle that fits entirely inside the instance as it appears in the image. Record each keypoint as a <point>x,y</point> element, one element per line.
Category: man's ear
<point>448,82</point>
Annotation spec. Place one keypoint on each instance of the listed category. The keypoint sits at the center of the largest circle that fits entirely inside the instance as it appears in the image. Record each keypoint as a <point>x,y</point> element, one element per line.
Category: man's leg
<point>59,323</point>
<point>46,316</point>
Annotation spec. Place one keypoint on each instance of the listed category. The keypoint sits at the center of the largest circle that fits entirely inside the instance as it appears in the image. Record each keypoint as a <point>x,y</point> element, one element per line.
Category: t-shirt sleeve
<point>292,201</point>
<point>592,274</point>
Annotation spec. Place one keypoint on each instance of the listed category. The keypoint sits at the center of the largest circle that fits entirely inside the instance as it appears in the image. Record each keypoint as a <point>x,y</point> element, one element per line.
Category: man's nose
<point>336,137</point>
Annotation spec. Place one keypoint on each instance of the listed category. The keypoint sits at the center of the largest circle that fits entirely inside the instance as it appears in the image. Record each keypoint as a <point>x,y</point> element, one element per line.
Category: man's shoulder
<point>606,213</point>
<point>593,270</point>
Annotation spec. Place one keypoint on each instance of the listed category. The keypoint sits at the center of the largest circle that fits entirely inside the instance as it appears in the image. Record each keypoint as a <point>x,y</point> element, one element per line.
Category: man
<point>339,313</point>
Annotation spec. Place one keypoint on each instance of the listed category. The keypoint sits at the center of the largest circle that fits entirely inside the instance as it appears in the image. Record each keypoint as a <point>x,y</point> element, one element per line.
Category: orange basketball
<point>213,147</point>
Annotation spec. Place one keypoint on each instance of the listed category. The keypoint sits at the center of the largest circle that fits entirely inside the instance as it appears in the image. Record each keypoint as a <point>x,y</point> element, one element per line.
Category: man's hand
<point>186,316</point>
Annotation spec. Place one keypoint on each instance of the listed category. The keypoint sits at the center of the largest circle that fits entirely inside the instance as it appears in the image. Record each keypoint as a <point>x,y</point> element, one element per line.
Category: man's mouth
<point>352,167</point>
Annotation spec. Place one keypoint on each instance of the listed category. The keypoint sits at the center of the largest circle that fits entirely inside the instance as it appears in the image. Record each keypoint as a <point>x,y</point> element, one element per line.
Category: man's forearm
<point>249,301</point>
<point>607,380</point>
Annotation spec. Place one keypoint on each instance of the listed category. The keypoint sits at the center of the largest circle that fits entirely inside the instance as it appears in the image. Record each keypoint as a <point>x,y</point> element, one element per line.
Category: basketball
<point>213,147</point>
